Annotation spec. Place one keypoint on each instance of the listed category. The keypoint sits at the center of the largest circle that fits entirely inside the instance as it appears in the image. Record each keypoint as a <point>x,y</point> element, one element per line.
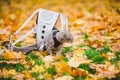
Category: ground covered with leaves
<point>94,54</point>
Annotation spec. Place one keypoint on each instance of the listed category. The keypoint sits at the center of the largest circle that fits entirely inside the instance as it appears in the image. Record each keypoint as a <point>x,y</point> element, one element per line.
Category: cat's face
<point>68,37</point>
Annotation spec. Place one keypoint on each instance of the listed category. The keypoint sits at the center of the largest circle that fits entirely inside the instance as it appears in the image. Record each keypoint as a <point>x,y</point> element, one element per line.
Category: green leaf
<point>65,59</point>
<point>6,65</point>
<point>87,68</point>
<point>91,53</point>
<point>98,59</point>
<point>19,67</point>
<point>39,62</point>
<point>82,45</point>
<point>7,78</point>
<point>118,77</point>
<point>86,36</point>
<point>3,43</point>
<point>66,74</point>
<point>19,44</point>
<point>2,58</point>
<point>66,49</point>
<point>35,74</point>
<point>104,43</point>
<point>106,33</point>
<point>51,70</point>
<point>31,56</point>
<point>116,59</point>
<point>117,54</point>
<point>105,50</point>
<point>79,78</point>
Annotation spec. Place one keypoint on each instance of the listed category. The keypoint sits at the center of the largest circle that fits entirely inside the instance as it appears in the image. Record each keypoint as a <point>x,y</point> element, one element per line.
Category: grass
<point>87,68</point>
<point>66,50</point>
<point>94,54</point>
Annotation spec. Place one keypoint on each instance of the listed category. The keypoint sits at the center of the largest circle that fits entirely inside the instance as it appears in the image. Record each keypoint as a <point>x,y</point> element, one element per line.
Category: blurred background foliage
<point>15,12</point>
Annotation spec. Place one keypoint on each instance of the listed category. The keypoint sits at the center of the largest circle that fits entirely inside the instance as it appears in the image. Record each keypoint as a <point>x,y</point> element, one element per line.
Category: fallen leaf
<point>37,68</point>
<point>62,67</point>
<point>12,72</point>
<point>79,72</point>
<point>27,74</point>
<point>9,55</point>
<point>64,78</point>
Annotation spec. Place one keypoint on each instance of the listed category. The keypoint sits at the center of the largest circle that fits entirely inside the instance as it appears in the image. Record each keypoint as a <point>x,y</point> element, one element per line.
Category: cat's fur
<point>62,37</point>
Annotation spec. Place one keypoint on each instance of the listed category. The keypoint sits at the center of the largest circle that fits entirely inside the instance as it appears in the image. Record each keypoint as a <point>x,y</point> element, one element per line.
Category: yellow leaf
<point>4,72</point>
<point>47,76</point>
<point>27,74</point>
<point>12,72</point>
<point>78,53</point>
<point>88,78</point>
<point>9,55</point>
<point>62,67</point>
<point>22,57</point>
<point>58,57</point>
<point>37,68</point>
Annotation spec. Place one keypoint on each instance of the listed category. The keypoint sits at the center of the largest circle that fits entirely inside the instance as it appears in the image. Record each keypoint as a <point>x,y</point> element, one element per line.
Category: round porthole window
<point>42,37</point>
<point>43,31</point>
<point>44,26</point>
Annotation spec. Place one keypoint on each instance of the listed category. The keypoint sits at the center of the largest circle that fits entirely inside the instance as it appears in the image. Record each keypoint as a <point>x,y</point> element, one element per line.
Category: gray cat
<point>53,41</point>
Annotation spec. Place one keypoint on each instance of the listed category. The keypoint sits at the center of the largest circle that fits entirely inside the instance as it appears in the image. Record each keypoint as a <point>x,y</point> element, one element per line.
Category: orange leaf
<point>79,72</point>
<point>27,74</point>
<point>22,57</point>
<point>62,67</point>
<point>9,55</point>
